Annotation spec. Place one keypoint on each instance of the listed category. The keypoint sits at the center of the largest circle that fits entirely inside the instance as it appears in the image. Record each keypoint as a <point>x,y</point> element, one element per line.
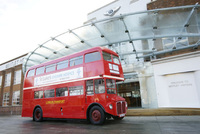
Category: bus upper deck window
<point>62,64</point>
<point>107,56</point>
<point>39,70</point>
<point>50,68</point>
<point>76,61</point>
<point>31,73</point>
<point>99,86</point>
<point>116,59</point>
<point>95,56</point>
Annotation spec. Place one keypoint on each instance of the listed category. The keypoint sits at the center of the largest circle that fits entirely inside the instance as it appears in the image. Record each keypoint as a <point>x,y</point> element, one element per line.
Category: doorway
<point>131,92</point>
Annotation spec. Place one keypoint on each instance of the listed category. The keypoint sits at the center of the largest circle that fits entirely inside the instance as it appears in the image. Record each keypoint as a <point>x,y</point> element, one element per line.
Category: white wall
<point>177,81</point>
<point>127,6</point>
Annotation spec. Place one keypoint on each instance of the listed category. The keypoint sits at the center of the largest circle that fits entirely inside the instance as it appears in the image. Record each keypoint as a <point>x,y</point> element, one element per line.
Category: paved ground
<point>129,125</point>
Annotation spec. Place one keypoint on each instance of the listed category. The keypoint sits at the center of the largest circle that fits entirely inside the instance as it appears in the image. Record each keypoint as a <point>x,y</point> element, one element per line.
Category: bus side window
<point>31,73</point>
<point>49,93</point>
<point>38,94</point>
<point>62,64</point>
<point>61,92</point>
<point>89,87</point>
<point>95,56</point>
<point>76,61</point>
<point>77,90</point>
<point>39,70</point>
<point>50,68</point>
<point>99,86</point>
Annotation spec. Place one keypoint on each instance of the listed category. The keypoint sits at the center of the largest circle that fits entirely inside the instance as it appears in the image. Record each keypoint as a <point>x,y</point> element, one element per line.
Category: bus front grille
<point>121,107</point>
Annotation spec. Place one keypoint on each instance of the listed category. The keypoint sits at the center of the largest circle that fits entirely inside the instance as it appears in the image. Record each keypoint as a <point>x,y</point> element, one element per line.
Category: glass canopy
<point>133,36</point>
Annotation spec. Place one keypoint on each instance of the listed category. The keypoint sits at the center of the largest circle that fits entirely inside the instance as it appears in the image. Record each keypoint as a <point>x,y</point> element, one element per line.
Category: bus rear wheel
<point>97,115</point>
<point>37,115</point>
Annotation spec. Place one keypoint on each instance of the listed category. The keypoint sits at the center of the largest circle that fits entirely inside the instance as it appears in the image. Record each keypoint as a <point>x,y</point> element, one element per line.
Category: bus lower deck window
<point>61,92</point>
<point>38,94</point>
<point>49,93</point>
<point>99,86</point>
<point>89,87</point>
<point>77,90</point>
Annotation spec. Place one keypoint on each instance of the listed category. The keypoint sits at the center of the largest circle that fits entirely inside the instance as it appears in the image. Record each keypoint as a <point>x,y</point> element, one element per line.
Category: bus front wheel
<point>97,115</point>
<point>37,115</point>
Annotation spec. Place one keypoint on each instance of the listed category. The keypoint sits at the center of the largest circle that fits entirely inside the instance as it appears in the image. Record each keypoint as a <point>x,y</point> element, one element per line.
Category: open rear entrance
<point>131,92</point>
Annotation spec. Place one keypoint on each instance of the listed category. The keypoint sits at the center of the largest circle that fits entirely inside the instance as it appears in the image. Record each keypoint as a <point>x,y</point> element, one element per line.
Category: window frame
<point>17,77</point>
<point>17,99</point>
<point>7,82</point>
<point>6,99</point>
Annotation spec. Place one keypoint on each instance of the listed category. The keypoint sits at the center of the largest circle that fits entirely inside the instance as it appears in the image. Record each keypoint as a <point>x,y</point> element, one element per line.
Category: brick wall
<point>11,110</point>
<point>170,3</point>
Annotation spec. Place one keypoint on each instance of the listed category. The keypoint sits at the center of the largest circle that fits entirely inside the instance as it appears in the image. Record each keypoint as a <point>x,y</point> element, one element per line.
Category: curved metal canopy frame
<point>138,32</point>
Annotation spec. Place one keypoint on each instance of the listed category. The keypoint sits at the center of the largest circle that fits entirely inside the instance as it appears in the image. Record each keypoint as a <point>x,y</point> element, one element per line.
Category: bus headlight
<point>111,106</point>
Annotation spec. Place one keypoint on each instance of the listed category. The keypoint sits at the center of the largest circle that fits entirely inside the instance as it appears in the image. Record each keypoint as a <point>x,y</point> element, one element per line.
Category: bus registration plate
<point>121,115</point>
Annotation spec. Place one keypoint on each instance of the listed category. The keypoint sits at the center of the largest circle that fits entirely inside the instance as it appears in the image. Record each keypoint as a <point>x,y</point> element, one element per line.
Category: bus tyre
<point>37,115</point>
<point>117,118</point>
<point>97,115</point>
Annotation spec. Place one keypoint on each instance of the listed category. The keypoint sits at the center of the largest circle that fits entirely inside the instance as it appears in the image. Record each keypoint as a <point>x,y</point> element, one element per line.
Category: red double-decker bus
<point>78,86</point>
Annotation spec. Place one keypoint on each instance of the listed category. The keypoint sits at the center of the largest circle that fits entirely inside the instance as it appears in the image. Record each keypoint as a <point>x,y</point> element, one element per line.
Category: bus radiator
<point>121,107</point>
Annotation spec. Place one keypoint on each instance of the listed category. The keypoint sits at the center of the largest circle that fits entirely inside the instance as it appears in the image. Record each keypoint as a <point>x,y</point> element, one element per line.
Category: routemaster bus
<point>77,86</point>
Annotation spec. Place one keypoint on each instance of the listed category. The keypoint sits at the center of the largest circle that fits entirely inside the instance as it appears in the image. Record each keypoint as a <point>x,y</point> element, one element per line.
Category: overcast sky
<point>24,24</point>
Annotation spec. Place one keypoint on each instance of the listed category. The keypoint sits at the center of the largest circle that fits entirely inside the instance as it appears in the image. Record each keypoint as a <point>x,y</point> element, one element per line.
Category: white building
<point>163,82</point>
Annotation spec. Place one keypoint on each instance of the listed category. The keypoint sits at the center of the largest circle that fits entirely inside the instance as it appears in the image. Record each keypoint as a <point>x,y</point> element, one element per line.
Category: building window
<point>16,98</point>
<point>76,61</point>
<point>17,77</point>
<point>6,99</point>
<point>0,81</point>
<point>7,79</point>
<point>92,57</point>
<point>77,90</point>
